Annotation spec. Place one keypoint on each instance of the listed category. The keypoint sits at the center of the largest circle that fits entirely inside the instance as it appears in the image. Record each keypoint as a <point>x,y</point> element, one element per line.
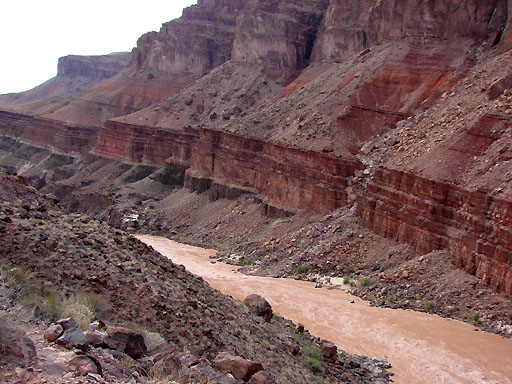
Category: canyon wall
<point>47,133</point>
<point>352,26</point>
<point>475,226</point>
<point>371,64</point>
<point>289,178</point>
<point>278,34</point>
<point>474,223</point>
<point>192,45</point>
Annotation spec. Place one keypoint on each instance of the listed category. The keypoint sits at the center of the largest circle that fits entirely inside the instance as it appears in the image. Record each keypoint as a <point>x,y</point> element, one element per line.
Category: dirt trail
<point>422,348</point>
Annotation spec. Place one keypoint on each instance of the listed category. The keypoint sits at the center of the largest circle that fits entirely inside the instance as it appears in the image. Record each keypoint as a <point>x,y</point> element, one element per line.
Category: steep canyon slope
<point>401,108</point>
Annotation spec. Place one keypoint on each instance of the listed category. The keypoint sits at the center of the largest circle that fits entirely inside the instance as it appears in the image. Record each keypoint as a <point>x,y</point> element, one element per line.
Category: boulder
<point>83,365</point>
<point>95,338</point>
<point>329,351</point>
<point>260,306</point>
<point>240,368</point>
<point>126,341</point>
<point>72,337</point>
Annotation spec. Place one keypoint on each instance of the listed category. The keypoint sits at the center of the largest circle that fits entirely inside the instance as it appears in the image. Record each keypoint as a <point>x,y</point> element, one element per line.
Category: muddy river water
<point>422,348</point>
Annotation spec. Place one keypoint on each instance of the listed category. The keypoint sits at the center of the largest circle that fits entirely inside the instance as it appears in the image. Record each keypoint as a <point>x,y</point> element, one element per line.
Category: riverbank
<point>421,347</point>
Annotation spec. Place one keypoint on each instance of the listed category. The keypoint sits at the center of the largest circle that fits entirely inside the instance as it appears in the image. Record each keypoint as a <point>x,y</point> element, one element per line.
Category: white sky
<point>35,33</point>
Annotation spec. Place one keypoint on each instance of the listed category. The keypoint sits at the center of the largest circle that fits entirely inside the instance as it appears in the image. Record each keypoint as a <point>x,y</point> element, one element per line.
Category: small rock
<point>367,148</point>
<point>28,349</point>
<point>294,349</point>
<point>299,328</point>
<point>55,368</point>
<point>260,305</point>
<point>240,368</point>
<point>261,377</point>
<point>53,332</point>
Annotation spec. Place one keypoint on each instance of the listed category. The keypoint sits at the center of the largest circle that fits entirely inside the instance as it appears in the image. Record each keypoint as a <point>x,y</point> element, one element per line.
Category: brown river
<point>422,348</point>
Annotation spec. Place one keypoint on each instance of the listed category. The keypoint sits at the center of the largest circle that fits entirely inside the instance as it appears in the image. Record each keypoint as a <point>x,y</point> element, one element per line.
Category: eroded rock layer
<point>287,177</point>
<point>46,133</point>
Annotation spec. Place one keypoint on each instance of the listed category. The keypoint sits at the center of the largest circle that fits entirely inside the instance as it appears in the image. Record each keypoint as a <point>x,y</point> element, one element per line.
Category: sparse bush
<point>19,284</point>
<point>448,308</point>
<point>249,262</point>
<point>476,318</point>
<point>509,315</point>
<point>346,280</point>
<point>277,318</point>
<point>391,299</point>
<point>151,339</point>
<point>97,303</point>
<point>17,275</point>
<point>365,282</point>
<point>428,305</point>
<point>302,269</point>
<point>81,313</point>
<point>50,304</point>
<point>314,364</point>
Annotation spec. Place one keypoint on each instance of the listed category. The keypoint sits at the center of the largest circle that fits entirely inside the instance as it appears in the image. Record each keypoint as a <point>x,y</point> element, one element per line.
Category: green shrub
<point>448,308</point>
<point>314,364</point>
<point>476,318</point>
<point>277,318</point>
<point>428,305</point>
<point>17,275</point>
<point>302,269</point>
<point>346,280</point>
<point>365,282</point>
<point>509,315</point>
<point>391,299</point>
<point>249,262</point>
<point>50,304</point>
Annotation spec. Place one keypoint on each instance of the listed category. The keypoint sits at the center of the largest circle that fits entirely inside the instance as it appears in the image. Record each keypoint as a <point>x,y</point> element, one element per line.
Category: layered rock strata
<point>287,177</point>
<point>51,134</point>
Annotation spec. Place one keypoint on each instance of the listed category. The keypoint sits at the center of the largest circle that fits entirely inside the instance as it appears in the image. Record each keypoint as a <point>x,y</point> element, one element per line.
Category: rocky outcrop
<point>47,133</point>
<point>474,225</point>
<point>75,74</point>
<point>278,35</point>
<point>192,45</point>
<point>352,26</point>
<point>285,176</point>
